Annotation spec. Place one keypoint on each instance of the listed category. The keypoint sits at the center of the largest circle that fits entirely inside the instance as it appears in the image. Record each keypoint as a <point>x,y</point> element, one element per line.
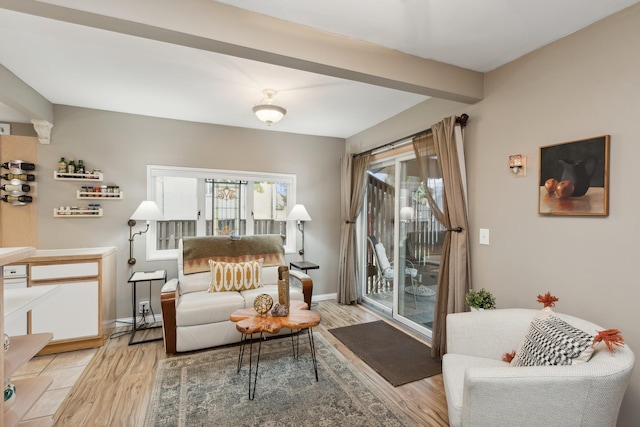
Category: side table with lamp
<point>147,211</point>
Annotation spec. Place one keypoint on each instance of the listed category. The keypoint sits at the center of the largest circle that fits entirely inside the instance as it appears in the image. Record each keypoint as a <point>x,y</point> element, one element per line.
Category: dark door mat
<point>396,356</point>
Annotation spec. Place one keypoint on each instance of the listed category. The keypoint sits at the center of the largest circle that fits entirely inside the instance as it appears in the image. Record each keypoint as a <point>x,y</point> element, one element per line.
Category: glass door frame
<point>396,161</point>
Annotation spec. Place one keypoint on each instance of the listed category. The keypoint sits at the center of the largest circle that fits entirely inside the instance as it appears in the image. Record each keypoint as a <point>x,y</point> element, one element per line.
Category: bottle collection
<point>17,184</point>
<point>76,170</point>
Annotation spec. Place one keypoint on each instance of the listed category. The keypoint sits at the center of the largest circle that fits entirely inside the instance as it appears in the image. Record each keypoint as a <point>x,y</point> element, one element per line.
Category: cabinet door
<point>60,271</point>
<point>70,313</point>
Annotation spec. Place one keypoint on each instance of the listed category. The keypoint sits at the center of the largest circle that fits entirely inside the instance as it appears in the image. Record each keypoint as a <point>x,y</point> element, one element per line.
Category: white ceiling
<point>81,66</point>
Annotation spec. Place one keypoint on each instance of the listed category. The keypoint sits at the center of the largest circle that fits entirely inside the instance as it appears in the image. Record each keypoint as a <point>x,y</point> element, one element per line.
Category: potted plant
<point>480,300</point>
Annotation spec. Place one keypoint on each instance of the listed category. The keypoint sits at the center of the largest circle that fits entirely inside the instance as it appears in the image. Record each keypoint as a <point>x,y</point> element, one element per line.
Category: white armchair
<point>482,390</point>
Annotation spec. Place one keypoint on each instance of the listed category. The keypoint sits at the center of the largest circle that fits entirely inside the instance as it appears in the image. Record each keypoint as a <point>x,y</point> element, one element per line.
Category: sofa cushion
<point>454,367</point>
<point>235,276</point>
<point>552,341</point>
<point>197,308</point>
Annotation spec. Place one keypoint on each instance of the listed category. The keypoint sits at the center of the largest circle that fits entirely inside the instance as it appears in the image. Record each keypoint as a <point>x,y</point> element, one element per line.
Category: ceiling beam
<point>215,27</point>
<point>19,96</point>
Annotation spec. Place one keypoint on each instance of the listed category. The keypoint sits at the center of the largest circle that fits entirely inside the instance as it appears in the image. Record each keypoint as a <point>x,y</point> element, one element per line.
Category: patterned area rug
<point>204,388</point>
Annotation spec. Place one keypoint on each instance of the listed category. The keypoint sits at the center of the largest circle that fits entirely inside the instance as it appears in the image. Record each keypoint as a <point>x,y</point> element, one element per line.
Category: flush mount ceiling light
<point>267,110</point>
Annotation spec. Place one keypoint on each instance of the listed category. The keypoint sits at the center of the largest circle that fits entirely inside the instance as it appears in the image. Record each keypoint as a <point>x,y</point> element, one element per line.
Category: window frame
<point>154,171</point>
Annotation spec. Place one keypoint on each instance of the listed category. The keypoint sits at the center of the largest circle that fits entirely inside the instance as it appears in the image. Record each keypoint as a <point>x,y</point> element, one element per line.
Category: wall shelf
<point>88,195</point>
<point>77,213</point>
<point>77,176</point>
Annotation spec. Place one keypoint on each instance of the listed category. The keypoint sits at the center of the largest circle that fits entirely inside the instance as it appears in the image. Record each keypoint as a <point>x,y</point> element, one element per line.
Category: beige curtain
<point>454,280</point>
<point>354,174</point>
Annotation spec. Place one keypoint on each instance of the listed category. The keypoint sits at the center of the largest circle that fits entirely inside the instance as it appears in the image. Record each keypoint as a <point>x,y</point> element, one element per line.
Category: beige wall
<point>122,145</point>
<point>585,85</point>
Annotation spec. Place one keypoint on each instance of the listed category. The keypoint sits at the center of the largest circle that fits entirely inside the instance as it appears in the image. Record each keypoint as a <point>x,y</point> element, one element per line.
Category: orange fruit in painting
<point>564,189</point>
<point>550,185</point>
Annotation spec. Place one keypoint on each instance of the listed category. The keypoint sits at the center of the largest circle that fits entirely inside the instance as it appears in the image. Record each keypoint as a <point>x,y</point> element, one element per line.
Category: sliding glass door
<point>402,237</point>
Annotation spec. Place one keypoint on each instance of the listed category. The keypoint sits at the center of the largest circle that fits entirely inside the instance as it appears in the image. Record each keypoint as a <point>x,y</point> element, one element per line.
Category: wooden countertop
<point>70,254</point>
<point>11,255</point>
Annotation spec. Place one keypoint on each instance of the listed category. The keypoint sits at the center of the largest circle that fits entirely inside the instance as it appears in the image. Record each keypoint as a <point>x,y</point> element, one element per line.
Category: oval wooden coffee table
<point>249,322</point>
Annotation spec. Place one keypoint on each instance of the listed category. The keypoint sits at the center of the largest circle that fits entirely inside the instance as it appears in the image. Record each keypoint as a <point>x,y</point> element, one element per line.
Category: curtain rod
<point>462,120</point>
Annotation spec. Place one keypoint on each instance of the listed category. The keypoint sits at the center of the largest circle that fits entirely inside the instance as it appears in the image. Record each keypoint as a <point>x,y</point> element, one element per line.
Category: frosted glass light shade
<point>267,110</point>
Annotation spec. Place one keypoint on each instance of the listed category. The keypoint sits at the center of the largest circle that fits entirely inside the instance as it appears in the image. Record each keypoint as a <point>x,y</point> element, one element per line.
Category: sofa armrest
<point>168,300</point>
<point>170,286</point>
<point>304,281</point>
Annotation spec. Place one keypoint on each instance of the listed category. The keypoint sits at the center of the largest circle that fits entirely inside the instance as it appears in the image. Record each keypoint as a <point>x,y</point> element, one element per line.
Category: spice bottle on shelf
<point>71,167</point>
<point>80,168</point>
<point>62,165</point>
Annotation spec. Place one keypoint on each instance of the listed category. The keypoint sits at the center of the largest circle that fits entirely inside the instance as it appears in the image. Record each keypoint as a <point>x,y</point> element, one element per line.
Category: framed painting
<point>574,178</point>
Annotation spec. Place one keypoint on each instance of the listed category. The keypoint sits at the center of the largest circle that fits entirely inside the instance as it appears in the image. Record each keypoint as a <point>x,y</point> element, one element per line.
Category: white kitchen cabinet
<point>71,313</point>
<point>82,314</point>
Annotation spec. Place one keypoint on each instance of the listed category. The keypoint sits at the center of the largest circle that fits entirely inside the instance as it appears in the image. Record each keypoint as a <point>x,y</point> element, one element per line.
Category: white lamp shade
<point>148,211</point>
<point>298,213</point>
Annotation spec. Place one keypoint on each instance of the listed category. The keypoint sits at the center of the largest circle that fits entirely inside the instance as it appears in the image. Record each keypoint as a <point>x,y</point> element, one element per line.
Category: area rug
<point>205,389</point>
<point>393,354</point>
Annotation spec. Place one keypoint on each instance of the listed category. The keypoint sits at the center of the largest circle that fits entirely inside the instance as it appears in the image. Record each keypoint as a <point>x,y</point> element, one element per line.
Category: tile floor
<point>64,369</point>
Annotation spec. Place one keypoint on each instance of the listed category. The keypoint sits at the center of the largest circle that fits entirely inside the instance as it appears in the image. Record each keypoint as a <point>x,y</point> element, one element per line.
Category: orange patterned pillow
<point>232,276</point>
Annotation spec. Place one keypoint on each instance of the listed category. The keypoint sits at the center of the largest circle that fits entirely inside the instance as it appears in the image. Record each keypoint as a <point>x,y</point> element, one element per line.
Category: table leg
<point>243,341</point>
<point>252,390</point>
<point>312,345</point>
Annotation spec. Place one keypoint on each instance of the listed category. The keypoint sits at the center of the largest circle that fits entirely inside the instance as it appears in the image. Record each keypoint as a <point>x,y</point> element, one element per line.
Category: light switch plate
<point>5,129</point>
<point>484,236</point>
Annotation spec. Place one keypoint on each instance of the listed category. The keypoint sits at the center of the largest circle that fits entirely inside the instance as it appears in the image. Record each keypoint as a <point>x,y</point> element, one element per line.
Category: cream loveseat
<point>194,318</point>
<point>484,391</point>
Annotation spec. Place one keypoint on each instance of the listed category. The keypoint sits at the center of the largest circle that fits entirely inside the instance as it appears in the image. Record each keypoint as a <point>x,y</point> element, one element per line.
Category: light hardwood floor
<point>115,387</point>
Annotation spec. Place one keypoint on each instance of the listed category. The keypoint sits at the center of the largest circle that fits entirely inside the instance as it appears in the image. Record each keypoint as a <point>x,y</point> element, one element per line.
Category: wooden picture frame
<point>581,173</point>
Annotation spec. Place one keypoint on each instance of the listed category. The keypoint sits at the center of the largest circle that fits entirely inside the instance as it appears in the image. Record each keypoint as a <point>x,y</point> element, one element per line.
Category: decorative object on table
<point>480,300</point>
<point>9,396</point>
<point>283,285</point>
<point>263,303</point>
<point>574,178</point>
<point>299,213</point>
<point>6,343</point>
<point>279,310</point>
<point>147,211</point>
